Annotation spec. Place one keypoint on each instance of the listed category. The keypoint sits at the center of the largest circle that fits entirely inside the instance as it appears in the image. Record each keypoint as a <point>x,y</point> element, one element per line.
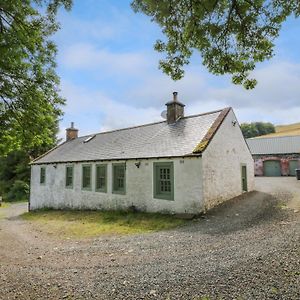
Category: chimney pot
<point>175,96</point>
<point>71,133</point>
<point>175,110</point>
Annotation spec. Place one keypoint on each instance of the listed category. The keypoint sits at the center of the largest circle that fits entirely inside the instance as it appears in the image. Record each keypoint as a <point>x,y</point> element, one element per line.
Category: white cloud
<point>95,112</point>
<point>275,99</point>
<point>88,57</point>
<point>278,88</point>
<point>156,89</point>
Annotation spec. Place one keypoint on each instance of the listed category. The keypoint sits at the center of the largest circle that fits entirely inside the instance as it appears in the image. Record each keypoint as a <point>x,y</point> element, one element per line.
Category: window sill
<point>163,197</point>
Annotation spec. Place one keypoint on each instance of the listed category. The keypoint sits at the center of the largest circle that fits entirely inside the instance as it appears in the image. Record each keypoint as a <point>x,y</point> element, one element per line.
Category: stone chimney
<point>71,133</point>
<point>175,109</point>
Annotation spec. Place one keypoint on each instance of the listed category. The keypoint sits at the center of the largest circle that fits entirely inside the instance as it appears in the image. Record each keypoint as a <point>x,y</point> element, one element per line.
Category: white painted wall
<point>222,164</point>
<point>139,188</point>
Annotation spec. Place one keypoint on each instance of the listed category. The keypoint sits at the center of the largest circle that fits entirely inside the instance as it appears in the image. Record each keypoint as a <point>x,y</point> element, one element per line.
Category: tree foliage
<point>256,129</point>
<point>14,176</point>
<point>231,35</point>
<point>30,104</point>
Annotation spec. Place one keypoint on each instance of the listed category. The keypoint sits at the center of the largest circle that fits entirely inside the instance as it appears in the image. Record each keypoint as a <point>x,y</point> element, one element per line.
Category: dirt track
<point>247,248</point>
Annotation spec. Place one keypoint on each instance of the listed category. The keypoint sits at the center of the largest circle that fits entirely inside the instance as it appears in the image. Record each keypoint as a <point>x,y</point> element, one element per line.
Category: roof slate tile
<point>145,141</point>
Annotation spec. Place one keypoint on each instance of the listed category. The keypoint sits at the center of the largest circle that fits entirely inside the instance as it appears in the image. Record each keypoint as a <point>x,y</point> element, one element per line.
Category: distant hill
<point>284,130</point>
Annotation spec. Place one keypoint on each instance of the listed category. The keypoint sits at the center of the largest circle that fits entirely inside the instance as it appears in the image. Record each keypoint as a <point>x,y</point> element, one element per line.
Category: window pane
<point>69,176</point>
<point>101,177</point>
<point>163,181</point>
<point>119,178</point>
<point>42,175</point>
<point>86,176</point>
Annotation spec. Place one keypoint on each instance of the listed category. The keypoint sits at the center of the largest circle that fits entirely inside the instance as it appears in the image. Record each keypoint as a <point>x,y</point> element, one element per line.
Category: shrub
<point>18,192</point>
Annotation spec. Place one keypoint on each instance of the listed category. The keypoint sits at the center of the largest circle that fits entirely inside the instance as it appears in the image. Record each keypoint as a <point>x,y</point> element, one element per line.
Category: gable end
<point>211,132</point>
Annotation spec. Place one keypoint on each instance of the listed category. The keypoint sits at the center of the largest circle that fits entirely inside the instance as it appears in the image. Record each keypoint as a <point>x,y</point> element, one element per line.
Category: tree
<point>256,129</point>
<point>231,35</point>
<point>14,176</point>
<point>30,104</point>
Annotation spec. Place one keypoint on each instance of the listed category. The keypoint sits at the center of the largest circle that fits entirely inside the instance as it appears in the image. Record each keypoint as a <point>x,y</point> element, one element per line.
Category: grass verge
<point>78,224</point>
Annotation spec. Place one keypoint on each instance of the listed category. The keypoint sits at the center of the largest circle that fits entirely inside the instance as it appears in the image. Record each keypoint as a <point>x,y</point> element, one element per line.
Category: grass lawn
<point>79,224</point>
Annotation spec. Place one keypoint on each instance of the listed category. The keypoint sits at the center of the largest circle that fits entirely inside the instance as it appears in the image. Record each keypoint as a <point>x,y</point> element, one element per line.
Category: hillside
<point>284,130</point>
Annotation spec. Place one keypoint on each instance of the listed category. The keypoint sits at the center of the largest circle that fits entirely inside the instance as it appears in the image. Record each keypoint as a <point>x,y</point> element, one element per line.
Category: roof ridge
<point>153,123</point>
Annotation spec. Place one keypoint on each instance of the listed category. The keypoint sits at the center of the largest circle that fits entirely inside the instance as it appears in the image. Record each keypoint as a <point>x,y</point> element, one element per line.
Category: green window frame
<point>163,180</point>
<point>119,178</point>
<point>43,175</point>
<point>101,178</point>
<point>69,176</point>
<point>86,183</point>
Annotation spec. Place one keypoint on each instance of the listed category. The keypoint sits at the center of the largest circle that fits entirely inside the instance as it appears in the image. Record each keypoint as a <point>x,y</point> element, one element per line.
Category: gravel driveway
<point>247,248</point>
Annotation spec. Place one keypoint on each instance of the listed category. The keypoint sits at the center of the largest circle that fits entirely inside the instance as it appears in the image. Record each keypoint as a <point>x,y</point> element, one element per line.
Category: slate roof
<point>275,145</point>
<point>187,137</point>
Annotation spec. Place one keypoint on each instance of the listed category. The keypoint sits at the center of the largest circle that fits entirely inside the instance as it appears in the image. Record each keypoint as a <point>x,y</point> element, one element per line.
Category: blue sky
<point>110,77</point>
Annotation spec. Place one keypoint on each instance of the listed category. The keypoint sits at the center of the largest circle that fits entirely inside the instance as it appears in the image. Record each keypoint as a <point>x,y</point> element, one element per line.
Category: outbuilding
<point>275,156</point>
<point>185,164</point>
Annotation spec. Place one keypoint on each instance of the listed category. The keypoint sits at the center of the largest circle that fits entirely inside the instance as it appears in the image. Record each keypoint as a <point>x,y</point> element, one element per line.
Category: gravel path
<point>247,248</point>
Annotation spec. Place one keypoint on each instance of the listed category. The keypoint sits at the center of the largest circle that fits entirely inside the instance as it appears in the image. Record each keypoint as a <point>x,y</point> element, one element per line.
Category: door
<point>293,165</point>
<point>272,168</point>
<point>244,178</point>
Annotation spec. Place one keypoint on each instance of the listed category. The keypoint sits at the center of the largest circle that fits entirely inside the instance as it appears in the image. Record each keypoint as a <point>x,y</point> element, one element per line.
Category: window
<point>89,138</point>
<point>43,175</point>
<point>86,177</point>
<point>69,176</point>
<point>119,178</point>
<point>244,178</point>
<point>101,178</point>
<point>163,179</point>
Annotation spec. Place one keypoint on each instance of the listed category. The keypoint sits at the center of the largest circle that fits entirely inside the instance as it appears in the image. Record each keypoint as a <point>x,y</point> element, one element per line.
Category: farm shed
<point>275,156</point>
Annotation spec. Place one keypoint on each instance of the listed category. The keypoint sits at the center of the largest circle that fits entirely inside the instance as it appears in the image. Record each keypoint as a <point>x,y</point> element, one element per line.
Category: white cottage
<point>181,165</point>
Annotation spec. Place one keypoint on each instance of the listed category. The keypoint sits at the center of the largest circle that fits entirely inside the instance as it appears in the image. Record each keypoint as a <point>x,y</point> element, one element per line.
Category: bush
<point>14,176</point>
<point>18,192</point>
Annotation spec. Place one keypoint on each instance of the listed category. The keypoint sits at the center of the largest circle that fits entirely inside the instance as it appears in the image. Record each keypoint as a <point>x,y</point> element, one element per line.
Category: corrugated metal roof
<point>275,145</point>
<point>146,141</point>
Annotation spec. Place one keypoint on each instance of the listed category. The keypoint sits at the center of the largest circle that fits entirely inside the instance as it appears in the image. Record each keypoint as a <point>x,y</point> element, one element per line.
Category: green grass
<point>78,224</point>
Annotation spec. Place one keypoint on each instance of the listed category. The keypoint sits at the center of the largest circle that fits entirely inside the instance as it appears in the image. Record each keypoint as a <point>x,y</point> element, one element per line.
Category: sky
<point>110,77</point>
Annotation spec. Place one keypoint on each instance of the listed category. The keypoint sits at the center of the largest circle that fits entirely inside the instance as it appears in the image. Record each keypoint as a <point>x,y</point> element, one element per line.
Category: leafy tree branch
<point>30,104</point>
<point>232,36</point>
